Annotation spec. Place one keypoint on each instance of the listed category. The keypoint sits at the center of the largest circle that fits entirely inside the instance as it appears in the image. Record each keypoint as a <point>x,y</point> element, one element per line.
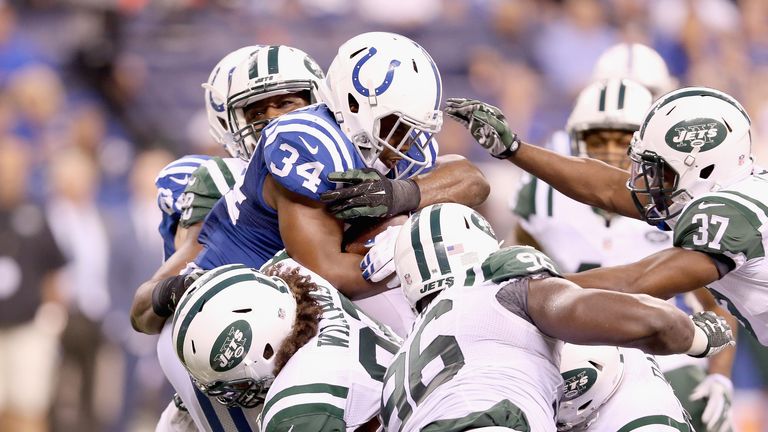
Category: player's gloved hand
<point>712,334</point>
<point>718,390</point>
<point>369,193</point>
<point>487,125</point>
<point>379,263</point>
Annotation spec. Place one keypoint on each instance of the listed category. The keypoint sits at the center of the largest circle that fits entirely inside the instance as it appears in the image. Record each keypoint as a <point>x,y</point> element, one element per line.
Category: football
<point>363,229</point>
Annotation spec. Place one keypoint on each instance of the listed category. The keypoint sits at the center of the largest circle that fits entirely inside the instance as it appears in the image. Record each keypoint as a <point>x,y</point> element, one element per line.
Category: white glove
<point>718,390</point>
<point>379,262</point>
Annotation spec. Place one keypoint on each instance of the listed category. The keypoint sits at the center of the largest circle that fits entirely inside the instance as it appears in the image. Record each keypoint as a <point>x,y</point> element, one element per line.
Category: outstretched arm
<point>663,274</point>
<point>143,317</point>
<point>568,312</point>
<point>586,180</point>
<point>370,194</point>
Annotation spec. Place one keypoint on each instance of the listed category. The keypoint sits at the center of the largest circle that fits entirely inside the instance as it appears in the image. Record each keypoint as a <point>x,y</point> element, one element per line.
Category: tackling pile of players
<point>269,323</point>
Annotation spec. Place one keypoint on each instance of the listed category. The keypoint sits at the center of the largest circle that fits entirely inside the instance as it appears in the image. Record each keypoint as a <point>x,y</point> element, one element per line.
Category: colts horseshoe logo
<point>387,79</point>
<point>216,107</point>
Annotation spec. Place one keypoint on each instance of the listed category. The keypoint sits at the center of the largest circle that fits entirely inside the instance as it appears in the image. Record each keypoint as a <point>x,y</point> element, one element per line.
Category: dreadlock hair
<point>308,313</point>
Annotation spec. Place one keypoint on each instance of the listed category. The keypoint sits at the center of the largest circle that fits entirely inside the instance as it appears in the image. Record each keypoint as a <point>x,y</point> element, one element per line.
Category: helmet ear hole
<point>466,223</point>
<point>354,106</point>
<point>706,172</point>
<point>268,352</point>
<point>585,405</point>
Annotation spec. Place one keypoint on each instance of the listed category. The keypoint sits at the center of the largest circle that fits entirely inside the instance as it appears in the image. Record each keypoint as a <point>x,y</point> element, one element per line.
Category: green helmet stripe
<point>253,70</point>
<point>418,248</point>
<point>550,200</point>
<point>209,275</point>
<point>272,63</point>
<point>622,91</point>
<point>601,106</point>
<point>469,280</point>
<point>698,91</point>
<point>195,308</point>
<point>437,239</point>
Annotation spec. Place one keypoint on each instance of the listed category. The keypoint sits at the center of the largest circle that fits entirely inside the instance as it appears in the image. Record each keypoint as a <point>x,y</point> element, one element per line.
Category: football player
<point>214,178</point>
<point>637,62</point>
<point>379,114</point>
<point>609,389</point>
<point>285,338</point>
<point>692,172</point>
<point>579,237</point>
<point>496,319</point>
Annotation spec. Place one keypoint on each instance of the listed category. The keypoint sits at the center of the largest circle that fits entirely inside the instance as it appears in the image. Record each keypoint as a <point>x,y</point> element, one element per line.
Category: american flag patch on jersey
<point>455,249</point>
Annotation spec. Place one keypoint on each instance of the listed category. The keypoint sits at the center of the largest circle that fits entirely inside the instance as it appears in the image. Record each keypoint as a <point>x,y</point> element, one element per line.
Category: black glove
<point>167,292</point>
<point>368,193</point>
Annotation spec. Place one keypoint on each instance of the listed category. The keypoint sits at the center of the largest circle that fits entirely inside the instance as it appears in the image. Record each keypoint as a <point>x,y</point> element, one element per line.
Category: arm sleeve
<point>517,262</point>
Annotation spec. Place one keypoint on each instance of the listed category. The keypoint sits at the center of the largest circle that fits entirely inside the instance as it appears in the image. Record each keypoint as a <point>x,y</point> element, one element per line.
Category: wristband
<point>699,344</point>
<point>166,293</point>
<point>407,194</point>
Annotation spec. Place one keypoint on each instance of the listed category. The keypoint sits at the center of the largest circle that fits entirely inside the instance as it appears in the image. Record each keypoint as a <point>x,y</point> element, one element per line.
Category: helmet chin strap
<point>380,166</point>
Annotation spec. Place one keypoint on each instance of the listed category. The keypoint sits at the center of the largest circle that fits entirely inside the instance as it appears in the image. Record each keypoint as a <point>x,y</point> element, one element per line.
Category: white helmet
<point>227,330</point>
<point>591,375</point>
<point>637,62</point>
<point>613,104</point>
<point>216,90</point>
<point>270,71</point>
<point>696,138</point>
<point>375,75</point>
<point>436,247</point>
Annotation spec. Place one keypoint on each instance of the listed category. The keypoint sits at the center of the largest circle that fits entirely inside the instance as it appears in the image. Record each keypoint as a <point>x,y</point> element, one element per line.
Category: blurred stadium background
<point>97,95</point>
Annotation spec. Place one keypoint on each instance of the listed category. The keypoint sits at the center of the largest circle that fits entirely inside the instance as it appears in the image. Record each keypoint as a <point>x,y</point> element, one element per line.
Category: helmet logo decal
<point>387,79</point>
<point>216,107</point>
<point>230,347</point>
<point>313,67</point>
<point>482,224</point>
<point>578,381</point>
<point>700,133</point>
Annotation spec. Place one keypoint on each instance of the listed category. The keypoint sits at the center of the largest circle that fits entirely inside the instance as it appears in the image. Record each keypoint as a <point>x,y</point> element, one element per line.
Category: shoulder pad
<point>724,223</point>
<point>301,149</point>
<point>516,262</point>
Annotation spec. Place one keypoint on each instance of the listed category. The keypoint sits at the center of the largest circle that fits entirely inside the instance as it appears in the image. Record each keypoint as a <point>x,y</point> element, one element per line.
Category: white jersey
<point>732,225</point>
<point>334,381</point>
<point>644,401</point>
<point>579,237</point>
<point>474,359</point>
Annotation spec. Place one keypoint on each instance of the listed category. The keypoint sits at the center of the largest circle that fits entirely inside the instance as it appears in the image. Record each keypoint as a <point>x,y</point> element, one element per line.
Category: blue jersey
<point>298,150</point>
<point>171,182</point>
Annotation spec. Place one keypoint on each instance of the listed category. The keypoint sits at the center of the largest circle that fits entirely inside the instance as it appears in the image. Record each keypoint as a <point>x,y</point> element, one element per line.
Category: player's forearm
<point>598,317</point>
<point>455,179</point>
<point>586,180</point>
<point>143,317</point>
<point>722,363</point>
<point>342,270</point>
